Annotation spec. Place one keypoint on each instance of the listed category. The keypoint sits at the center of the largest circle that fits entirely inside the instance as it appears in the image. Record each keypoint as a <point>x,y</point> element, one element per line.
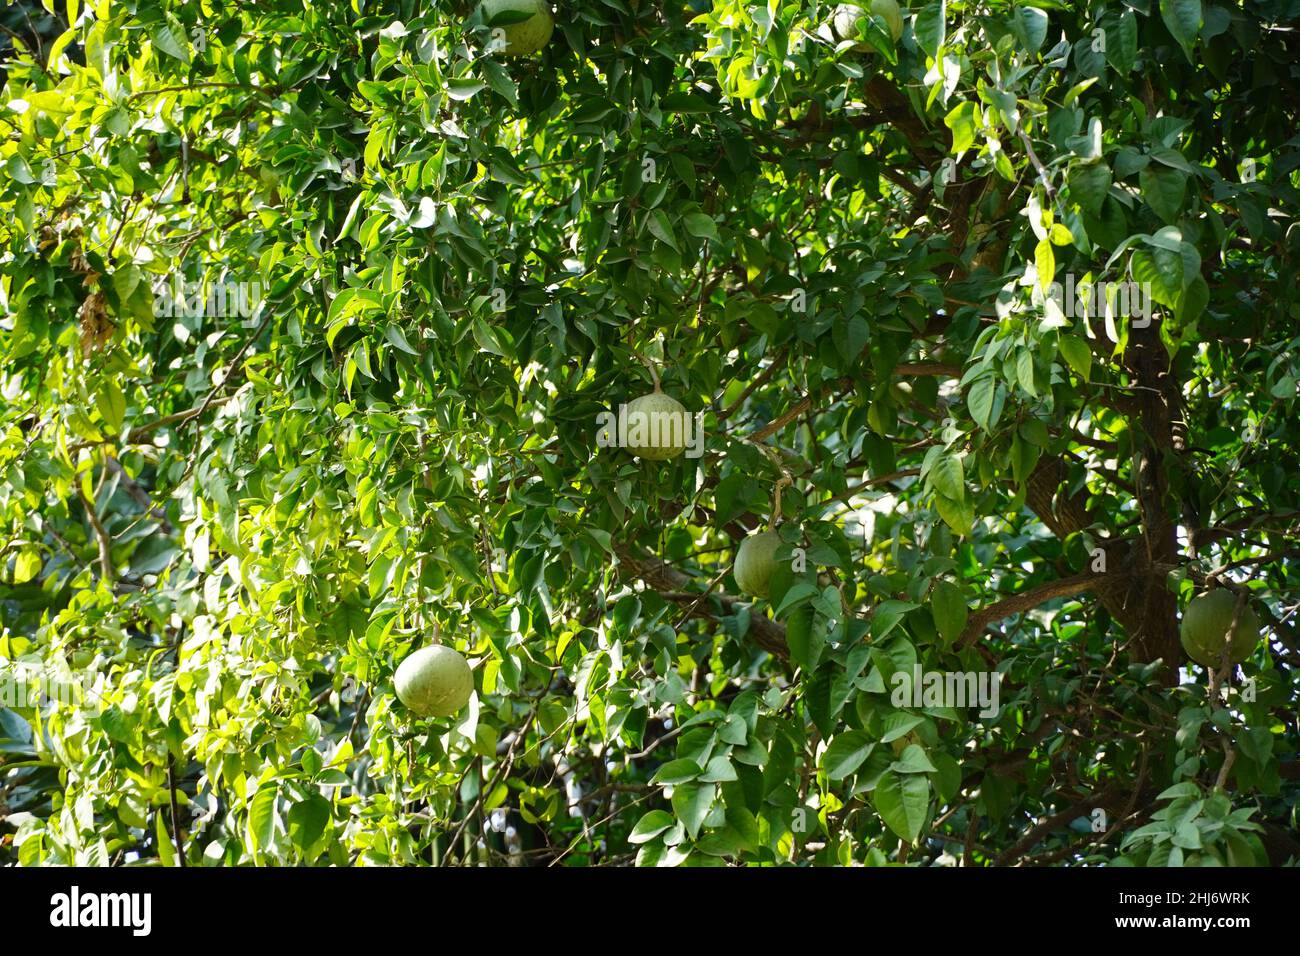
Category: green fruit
<point>658,432</point>
<point>1204,630</point>
<point>521,37</point>
<point>434,681</point>
<point>847,15</point>
<point>899,744</point>
<point>755,562</point>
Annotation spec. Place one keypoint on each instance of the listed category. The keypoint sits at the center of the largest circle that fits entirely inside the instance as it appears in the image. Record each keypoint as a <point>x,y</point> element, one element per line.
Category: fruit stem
<point>654,374</point>
<point>784,481</point>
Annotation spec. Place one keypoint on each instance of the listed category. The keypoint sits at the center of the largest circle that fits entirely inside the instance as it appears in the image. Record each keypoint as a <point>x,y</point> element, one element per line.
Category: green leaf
<point>306,821</point>
<point>27,565</point>
<point>930,28</point>
<point>262,818</point>
<point>464,87</point>
<point>397,337</point>
<point>1077,354</point>
<point>1088,184</point>
<point>1044,263</point>
<point>1163,190</point>
<point>650,826</point>
<point>117,725</point>
<point>949,607</point>
<point>947,779</point>
<point>701,226</point>
<point>677,771</point>
<point>964,121</point>
<point>957,515</point>
<point>168,37</point>
<point>163,841</point>
<point>692,802</point>
<point>19,170</point>
<point>1030,27</point>
<point>805,641</point>
<point>846,753</point>
<point>1162,271</point>
<point>719,770</point>
<point>1188,836</point>
<point>887,615</point>
<point>899,724</point>
<point>1193,300</point>
<point>903,801</point>
<point>798,593</point>
<point>1122,44</point>
<point>948,477</point>
<point>980,400</point>
<point>486,337</point>
<point>913,760</point>
<point>1183,18</point>
<point>661,229</point>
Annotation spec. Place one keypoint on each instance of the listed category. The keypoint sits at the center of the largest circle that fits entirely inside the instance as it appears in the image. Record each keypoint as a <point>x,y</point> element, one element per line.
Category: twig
<point>101,536</point>
<point>762,379</point>
<point>138,494</point>
<point>776,425</point>
<point>502,769</point>
<point>176,811</point>
<point>873,482</point>
<point>233,367</point>
<point>690,611</point>
<point>928,368</point>
<point>1037,164</point>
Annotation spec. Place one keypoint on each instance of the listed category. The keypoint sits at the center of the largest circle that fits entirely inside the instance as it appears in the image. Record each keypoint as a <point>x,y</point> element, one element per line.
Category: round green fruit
<point>847,15</point>
<point>1204,630</point>
<point>434,681</point>
<point>521,37</point>
<point>755,562</point>
<point>661,434</point>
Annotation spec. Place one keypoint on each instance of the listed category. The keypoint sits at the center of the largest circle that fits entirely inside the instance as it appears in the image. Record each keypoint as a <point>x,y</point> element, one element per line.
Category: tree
<point>312,320</point>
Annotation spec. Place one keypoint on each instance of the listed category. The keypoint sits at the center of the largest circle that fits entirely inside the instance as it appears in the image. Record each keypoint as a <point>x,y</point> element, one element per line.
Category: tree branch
<point>1026,600</point>
<point>138,494</point>
<point>102,536</point>
<point>673,585</point>
<point>762,379</point>
<point>1053,822</point>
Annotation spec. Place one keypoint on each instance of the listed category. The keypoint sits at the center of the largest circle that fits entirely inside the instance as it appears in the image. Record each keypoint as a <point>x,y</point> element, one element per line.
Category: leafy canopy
<point>224,520</point>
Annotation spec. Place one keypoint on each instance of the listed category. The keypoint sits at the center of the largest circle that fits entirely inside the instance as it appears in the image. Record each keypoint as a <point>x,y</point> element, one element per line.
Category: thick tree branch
<point>1027,600</point>
<point>1055,821</point>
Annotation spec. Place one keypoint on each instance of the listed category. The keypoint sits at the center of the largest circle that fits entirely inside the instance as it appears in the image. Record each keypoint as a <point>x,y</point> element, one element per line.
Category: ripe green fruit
<point>755,562</point>
<point>661,434</point>
<point>1204,630</point>
<point>434,681</point>
<point>522,37</point>
<point>847,15</point>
